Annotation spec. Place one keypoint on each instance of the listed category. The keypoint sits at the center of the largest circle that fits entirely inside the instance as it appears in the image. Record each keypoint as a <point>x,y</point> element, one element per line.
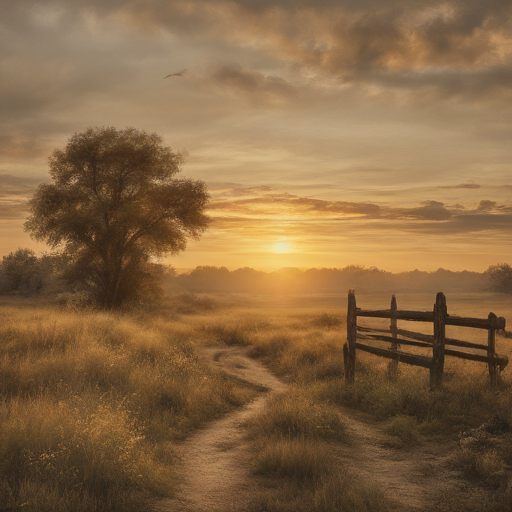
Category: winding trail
<point>215,460</point>
<point>215,463</point>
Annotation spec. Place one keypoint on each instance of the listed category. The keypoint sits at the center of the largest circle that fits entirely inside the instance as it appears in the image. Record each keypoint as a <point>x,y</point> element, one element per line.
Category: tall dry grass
<point>295,438</point>
<point>91,403</point>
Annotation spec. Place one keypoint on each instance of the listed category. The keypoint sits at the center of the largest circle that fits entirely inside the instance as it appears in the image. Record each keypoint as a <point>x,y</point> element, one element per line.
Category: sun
<point>281,247</point>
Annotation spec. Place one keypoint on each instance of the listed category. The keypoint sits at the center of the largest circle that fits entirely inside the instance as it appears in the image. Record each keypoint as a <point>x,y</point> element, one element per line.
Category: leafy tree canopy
<point>501,277</point>
<point>115,203</point>
<point>20,272</point>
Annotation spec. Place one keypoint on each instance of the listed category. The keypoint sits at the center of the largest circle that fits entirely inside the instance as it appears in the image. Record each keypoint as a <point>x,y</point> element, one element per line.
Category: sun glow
<point>281,247</point>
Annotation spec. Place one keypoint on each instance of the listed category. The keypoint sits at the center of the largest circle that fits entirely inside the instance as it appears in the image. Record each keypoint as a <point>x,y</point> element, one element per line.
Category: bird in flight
<point>181,73</point>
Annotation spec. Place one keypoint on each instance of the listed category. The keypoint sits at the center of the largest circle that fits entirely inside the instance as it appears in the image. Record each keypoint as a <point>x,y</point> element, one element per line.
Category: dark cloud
<point>460,224</point>
<point>457,46</point>
<point>431,210</point>
<point>246,191</point>
<point>489,82</point>
<point>253,85</point>
<point>486,205</point>
<point>462,185</point>
<point>296,204</point>
<point>348,208</point>
<point>14,195</point>
<point>430,217</point>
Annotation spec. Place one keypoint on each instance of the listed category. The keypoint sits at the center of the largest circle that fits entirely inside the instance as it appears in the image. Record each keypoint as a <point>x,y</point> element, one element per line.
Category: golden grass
<point>295,414</point>
<point>404,430</point>
<point>91,402</point>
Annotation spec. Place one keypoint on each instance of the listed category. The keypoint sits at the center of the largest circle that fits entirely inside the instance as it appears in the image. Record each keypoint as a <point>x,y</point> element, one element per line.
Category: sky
<point>329,132</point>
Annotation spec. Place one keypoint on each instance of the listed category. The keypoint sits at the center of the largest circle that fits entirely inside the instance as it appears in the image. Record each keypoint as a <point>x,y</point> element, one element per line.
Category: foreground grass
<point>91,404</point>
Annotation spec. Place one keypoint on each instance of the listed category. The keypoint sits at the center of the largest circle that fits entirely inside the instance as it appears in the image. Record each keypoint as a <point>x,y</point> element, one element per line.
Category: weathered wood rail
<point>437,342</point>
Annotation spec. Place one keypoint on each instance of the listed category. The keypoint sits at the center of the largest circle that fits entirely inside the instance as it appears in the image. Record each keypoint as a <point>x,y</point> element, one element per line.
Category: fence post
<point>349,353</point>
<point>436,371</point>
<point>393,364</point>
<point>491,352</point>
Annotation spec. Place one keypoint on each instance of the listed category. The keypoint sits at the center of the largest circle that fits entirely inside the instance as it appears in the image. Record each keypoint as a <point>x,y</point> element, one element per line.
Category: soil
<point>216,468</point>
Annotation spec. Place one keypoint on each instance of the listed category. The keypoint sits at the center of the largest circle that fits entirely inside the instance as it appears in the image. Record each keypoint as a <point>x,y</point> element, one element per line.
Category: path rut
<point>215,464</point>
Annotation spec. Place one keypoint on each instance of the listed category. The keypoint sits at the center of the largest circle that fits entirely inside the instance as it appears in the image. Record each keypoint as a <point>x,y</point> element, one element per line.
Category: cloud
<point>486,205</point>
<point>454,46</point>
<point>17,185</point>
<point>308,215</point>
<point>14,195</point>
<point>12,209</point>
<point>248,191</point>
<point>432,210</point>
<point>295,205</point>
<point>448,82</point>
<point>20,147</point>
<point>464,224</point>
<point>462,185</point>
<point>253,85</point>
<point>349,208</point>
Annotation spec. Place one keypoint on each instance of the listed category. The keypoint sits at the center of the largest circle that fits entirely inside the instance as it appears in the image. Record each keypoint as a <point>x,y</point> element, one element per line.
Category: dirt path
<point>215,460</point>
<point>216,468</point>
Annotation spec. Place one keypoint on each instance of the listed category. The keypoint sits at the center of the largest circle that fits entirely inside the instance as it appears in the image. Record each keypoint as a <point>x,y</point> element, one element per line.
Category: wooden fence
<point>436,342</point>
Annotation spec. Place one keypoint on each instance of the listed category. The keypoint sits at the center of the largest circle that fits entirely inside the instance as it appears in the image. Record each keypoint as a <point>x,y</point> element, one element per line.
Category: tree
<point>501,277</point>
<point>21,273</point>
<point>113,206</point>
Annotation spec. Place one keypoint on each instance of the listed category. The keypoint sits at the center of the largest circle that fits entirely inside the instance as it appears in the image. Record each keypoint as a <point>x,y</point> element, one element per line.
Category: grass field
<point>92,404</point>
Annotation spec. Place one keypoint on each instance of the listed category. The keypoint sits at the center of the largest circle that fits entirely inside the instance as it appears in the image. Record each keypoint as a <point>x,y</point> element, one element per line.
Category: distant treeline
<point>24,273</point>
<point>329,280</point>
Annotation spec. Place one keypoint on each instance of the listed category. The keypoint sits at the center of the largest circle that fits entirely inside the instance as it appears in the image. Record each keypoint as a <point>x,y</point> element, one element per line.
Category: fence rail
<point>440,318</point>
<point>426,316</point>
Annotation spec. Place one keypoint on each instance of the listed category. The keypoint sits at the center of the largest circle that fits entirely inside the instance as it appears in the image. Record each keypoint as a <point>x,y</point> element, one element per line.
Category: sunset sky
<point>329,132</point>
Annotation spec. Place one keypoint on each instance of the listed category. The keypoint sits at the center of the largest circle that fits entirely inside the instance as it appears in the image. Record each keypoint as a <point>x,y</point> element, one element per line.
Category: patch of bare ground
<point>216,473</point>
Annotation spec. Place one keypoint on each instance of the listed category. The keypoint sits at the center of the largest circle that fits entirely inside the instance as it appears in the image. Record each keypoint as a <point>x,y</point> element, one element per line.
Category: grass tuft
<point>295,414</point>
<point>483,466</point>
<point>296,458</point>
<point>404,429</point>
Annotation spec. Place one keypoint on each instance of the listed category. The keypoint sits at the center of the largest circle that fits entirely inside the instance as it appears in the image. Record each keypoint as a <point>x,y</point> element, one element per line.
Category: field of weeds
<point>93,404</point>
